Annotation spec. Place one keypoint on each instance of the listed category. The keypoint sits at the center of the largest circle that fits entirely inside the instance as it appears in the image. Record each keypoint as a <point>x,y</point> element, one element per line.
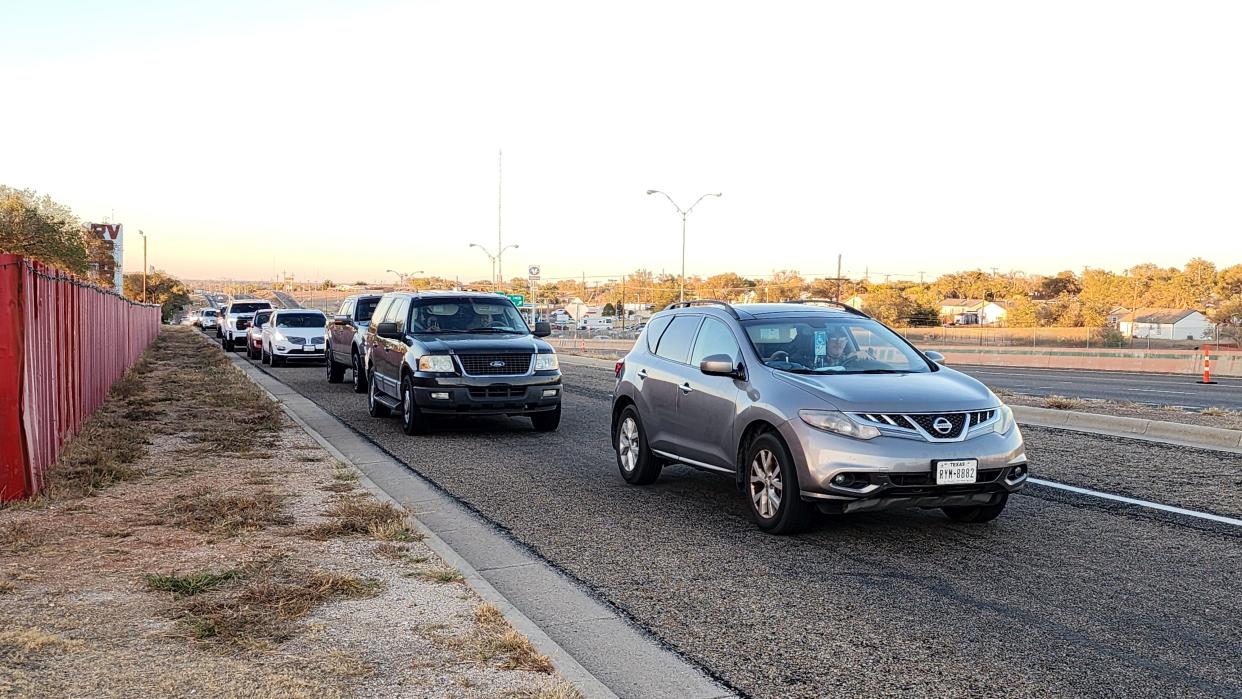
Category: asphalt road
<point>1063,595</point>
<point>1158,389</point>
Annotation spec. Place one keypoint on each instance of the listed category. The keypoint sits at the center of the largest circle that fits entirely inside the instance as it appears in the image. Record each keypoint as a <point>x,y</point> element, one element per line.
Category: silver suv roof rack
<point>704,302</point>
<point>833,304</point>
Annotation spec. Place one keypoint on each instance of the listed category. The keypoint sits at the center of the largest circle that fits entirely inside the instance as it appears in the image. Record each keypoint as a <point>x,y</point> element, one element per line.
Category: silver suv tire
<point>637,464</point>
<point>770,483</point>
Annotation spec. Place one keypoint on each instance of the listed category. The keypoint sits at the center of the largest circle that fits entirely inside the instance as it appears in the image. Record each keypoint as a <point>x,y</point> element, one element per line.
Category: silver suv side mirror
<point>935,356</point>
<point>721,365</point>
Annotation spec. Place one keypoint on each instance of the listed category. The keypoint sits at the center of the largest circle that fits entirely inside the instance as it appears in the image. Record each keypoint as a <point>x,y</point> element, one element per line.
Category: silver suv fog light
<point>1017,473</point>
<point>851,480</point>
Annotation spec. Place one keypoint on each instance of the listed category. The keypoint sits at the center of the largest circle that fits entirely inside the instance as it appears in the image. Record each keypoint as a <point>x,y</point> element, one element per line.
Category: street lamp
<point>495,260</point>
<point>403,276</point>
<point>684,214</point>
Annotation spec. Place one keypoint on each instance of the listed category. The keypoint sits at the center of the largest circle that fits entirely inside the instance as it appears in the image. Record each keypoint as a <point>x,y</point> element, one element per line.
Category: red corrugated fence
<point>63,343</point>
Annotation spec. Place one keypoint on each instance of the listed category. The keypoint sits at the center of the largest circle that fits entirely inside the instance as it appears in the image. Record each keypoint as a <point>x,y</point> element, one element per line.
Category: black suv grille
<point>507,364</point>
<point>498,392</point>
<point>957,422</point>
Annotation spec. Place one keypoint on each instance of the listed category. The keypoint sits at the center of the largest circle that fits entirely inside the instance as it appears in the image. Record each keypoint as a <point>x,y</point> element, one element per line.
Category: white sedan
<point>294,334</point>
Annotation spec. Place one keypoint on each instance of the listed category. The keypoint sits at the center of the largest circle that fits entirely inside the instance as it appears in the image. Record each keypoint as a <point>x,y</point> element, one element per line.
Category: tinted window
<point>398,313</point>
<point>300,320</point>
<point>472,314</point>
<point>384,303</point>
<point>654,329</point>
<point>831,345</point>
<point>248,307</point>
<point>209,313</point>
<point>714,338</point>
<point>675,343</point>
<point>261,318</point>
<point>365,309</point>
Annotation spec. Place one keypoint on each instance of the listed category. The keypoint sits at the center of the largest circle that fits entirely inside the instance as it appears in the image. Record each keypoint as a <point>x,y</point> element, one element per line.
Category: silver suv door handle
<point>685,388</point>
<point>642,373</point>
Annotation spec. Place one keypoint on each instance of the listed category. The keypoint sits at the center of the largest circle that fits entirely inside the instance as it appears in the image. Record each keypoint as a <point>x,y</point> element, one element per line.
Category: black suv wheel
<point>771,487</point>
<point>547,422</point>
<point>412,419</point>
<point>634,458</point>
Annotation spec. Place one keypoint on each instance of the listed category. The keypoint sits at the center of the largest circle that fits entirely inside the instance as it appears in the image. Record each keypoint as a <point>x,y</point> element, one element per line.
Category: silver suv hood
<point>932,392</point>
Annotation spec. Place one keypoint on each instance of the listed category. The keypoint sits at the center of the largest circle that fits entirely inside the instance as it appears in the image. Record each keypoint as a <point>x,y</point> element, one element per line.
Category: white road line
<point>1140,503</point>
<point>1157,390</point>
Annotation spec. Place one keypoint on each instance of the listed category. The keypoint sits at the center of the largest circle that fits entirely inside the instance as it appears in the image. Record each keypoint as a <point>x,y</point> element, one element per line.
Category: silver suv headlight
<point>546,362</point>
<point>1005,423</point>
<point>436,362</point>
<point>837,422</point>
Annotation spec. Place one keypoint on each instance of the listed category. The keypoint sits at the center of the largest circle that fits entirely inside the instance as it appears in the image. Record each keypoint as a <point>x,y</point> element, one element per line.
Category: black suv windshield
<point>366,308</point>
<point>828,345</point>
<point>300,320</point>
<point>248,307</point>
<point>466,315</point>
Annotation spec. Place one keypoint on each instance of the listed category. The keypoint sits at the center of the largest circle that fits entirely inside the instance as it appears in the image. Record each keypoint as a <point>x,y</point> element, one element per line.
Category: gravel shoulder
<point>1061,596</point>
<point>1211,417</point>
<point>215,549</point>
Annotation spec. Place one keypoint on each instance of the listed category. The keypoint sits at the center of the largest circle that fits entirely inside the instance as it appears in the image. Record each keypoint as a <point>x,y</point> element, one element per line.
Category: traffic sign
<point>533,271</point>
<point>517,299</point>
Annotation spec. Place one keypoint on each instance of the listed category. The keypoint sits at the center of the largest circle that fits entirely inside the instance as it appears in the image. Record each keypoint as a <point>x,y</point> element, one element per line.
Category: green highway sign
<point>517,299</point>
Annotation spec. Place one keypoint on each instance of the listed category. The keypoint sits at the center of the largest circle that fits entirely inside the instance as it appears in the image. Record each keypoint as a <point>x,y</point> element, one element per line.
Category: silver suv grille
<point>501,364</point>
<point>934,427</point>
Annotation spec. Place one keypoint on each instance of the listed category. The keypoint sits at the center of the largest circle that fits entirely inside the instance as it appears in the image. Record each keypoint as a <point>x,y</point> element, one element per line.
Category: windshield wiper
<point>494,330</point>
<point>877,371</point>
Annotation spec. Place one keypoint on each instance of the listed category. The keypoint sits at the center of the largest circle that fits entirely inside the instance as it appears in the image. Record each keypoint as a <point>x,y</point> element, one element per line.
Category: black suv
<point>459,353</point>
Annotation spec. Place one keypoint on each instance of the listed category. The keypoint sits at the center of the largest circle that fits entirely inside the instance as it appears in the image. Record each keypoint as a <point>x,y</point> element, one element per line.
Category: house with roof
<point>1165,324</point>
<point>973,311</point>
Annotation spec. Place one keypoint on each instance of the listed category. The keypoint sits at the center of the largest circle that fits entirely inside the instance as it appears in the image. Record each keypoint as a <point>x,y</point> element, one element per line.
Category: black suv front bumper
<point>487,395</point>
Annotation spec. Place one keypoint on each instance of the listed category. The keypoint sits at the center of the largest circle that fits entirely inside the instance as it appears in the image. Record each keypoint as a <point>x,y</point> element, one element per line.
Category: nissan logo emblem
<point>942,425</point>
<point>497,364</point>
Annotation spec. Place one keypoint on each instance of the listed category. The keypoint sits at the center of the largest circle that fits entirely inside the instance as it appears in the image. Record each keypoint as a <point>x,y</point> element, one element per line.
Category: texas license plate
<point>956,471</point>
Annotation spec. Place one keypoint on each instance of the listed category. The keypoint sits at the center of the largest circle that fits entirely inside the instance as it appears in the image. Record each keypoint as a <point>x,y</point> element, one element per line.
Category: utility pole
<point>838,299</point>
<point>500,272</point>
<point>144,266</point>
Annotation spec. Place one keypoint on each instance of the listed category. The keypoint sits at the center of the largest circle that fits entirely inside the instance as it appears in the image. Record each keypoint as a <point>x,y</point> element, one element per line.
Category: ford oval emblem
<point>497,364</point>
<point>942,425</point>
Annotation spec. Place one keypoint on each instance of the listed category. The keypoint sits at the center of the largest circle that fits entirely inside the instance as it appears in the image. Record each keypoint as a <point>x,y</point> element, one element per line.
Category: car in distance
<point>254,334</point>
<point>346,333</point>
<point>812,406</point>
<point>450,354</point>
<point>206,318</point>
<point>293,334</point>
<point>235,320</point>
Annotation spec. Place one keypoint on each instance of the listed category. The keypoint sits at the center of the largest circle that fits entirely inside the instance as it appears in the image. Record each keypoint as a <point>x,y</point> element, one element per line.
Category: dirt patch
<point>170,559</point>
<point>1207,417</point>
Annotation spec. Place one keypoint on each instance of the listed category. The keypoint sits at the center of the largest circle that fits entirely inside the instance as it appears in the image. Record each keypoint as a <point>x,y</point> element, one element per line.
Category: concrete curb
<point>1180,434</point>
<point>535,597</point>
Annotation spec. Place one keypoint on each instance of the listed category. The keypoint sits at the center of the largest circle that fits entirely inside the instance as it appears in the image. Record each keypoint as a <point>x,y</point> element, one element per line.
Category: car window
<point>714,338</point>
<point>300,320</point>
<point>398,313</point>
<point>827,345</point>
<point>365,308</point>
<point>382,308</point>
<point>261,318</point>
<point>675,342</point>
<point>248,307</point>
<point>344,309</point>
<point>472,314</point>
<point>654,329</point>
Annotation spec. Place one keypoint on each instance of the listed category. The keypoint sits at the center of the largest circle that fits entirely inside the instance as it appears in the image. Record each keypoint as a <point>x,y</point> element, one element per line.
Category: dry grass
<point>442,575</point>
<point>19,536</point>
<point>20,645</point>
<point>259,604</point>
<point>1061,402</point>
<point>225,514</point>
<point>494,640</point>
<point>363,515</point>
<point>192,584</point>
<point>560,690</point>
<point>338,487</point>
<point>1214,411</point>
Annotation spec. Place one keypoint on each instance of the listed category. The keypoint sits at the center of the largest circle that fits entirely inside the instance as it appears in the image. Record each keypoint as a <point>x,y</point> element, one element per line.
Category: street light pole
<point>495,262</point>
<point>684,214</point>
<point>144,266</point>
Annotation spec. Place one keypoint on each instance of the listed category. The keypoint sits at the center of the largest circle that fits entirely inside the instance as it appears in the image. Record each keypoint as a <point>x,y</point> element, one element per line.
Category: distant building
<point>1115,315</point>
<point>1165,324</point>
<point>973,311</point>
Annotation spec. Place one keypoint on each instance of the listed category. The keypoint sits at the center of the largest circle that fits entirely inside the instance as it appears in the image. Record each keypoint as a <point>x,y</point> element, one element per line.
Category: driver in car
<point>837,355</point>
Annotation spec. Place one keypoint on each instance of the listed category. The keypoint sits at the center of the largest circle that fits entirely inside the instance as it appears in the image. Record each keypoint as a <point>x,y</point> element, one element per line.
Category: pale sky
<point>339,140</point>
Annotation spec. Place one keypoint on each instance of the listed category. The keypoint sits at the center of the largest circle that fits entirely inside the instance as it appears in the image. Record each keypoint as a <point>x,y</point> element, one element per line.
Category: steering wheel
<point>779,356</point>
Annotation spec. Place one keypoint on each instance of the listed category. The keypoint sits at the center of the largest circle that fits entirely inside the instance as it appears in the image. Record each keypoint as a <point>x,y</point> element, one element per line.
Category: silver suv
<point>811,406</point>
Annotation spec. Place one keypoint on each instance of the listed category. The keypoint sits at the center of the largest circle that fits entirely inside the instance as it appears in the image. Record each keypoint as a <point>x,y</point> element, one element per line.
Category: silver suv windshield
<point>467,315</point>
<point>829,345</point>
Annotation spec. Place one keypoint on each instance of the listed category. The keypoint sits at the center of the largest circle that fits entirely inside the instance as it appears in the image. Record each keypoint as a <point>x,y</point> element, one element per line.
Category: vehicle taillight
<point>620,367</point>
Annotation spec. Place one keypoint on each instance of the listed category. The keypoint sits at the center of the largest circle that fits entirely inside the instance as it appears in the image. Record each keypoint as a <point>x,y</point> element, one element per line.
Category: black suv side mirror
<point>721,365</point>
<point>388,331</point>
<point>542,328</point>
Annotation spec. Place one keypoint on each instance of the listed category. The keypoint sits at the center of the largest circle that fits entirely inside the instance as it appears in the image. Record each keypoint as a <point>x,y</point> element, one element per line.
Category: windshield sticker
<point>821,343</point>
<point>770,334</point>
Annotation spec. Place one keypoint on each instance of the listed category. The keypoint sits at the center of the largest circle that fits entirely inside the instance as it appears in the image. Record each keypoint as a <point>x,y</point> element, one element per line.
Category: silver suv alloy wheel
<point>766,489</point>
<point>627,444</point>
